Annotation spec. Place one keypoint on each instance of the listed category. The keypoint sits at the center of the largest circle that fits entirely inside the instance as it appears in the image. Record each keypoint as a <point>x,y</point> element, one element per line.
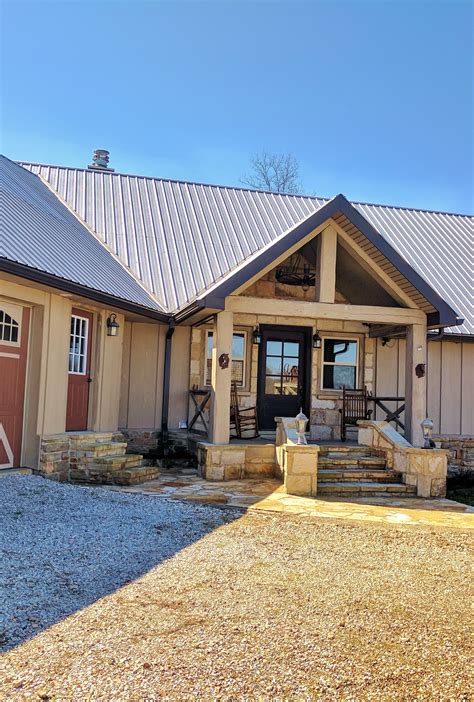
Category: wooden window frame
<point>82,356</point>
<point>247,357</point>
<point>341,338</point>
<point>16,323</point>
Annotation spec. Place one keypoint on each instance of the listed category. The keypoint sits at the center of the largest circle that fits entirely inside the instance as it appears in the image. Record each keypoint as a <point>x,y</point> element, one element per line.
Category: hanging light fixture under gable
<point>297,272</point>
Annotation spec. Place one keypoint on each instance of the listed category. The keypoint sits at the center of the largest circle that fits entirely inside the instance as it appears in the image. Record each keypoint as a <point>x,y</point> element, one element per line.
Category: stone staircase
<point>101,459</point>
<point>358,471</point>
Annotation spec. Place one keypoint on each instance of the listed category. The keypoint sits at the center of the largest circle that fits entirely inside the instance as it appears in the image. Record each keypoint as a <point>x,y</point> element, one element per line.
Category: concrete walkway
<point>268,495</point>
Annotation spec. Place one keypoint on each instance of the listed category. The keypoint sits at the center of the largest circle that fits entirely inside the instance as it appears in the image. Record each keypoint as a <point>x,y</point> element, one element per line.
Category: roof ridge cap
<point>244,189</point>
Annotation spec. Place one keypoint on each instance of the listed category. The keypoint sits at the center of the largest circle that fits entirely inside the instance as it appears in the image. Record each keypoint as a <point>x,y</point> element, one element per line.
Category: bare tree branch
<point>276,172</point>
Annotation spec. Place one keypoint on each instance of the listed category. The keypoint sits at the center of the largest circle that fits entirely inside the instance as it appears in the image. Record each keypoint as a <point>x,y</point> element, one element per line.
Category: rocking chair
<point>354,407</point>
<point>243,420</point>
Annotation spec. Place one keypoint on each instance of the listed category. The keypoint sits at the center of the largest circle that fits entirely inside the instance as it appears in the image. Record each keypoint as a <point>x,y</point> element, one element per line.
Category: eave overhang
<point>38,276</point>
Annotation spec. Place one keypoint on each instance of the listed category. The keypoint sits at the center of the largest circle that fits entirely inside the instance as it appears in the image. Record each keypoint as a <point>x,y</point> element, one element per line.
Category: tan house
<point>127,303</point>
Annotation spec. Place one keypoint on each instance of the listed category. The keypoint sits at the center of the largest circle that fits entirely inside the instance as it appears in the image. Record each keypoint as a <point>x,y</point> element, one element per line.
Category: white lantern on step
<point>301,422</point>
<point>427,428</point>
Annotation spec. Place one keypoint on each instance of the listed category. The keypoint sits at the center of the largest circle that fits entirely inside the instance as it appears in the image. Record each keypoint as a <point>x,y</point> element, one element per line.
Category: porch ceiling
<point>383,262</point>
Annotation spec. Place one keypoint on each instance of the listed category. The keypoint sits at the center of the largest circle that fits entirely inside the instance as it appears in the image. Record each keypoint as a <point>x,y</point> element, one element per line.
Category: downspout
<point>166,387</point>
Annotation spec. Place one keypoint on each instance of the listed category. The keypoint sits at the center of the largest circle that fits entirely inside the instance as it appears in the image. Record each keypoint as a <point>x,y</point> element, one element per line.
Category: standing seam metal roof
<point>179,238</point>
<point>39,231</point>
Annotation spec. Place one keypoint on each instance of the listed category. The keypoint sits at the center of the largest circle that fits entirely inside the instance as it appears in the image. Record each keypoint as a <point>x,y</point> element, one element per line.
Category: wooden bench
<point>354,407</point>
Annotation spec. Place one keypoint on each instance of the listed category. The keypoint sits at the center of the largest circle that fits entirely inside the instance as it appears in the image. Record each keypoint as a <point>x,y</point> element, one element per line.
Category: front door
<point>14,328</point>
<point>79,370</point>
<point>283,374</point>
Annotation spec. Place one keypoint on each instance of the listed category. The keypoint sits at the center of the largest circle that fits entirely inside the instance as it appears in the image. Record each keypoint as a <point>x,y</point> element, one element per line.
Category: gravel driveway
<point>199,603</point>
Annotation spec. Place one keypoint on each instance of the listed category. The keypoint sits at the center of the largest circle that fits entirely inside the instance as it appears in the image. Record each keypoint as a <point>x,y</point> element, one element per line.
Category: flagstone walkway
<point>268,495</point>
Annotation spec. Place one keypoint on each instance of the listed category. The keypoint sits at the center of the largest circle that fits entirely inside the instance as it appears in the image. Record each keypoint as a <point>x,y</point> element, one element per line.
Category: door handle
<point>89,379</point>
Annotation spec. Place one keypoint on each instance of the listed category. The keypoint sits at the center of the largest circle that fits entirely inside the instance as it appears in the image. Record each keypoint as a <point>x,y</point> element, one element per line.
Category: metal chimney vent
<point>100,161</point>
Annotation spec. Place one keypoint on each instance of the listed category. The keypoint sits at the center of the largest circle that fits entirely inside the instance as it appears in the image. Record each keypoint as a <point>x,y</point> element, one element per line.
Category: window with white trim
<point>340,363</point>
<point>239,358</point>
<point>78,345</point>
<point>9,328</point>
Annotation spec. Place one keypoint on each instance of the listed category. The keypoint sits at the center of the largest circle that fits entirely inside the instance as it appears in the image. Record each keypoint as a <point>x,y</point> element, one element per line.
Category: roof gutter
<point>53,281</point>
<point>189,311</point>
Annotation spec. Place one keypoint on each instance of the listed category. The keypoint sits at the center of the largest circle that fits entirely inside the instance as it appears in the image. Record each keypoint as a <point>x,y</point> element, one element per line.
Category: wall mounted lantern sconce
<point>316,340</point>
<point>256,335</point>
<point>112,325</point>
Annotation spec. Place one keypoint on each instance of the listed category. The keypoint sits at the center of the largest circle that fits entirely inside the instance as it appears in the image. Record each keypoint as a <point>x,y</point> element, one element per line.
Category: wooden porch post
<point>415,387</point>
<point>326,268</point>
<point>221,378</point>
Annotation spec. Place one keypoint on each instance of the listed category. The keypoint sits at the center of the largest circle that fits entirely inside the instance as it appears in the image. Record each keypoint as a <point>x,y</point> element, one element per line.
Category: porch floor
<point>269,496</point>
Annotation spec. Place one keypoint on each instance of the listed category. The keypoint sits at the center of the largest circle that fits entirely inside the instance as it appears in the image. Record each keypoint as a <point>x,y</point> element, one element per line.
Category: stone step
<point>345,448</point>
<point>135,476</point>
<point>327,475</point>
<point>92,436</point>
<point>362,489</point>
<point>128,460</point>
<point>112,448</point>
<point>103,475</point>
<point>352,460</point>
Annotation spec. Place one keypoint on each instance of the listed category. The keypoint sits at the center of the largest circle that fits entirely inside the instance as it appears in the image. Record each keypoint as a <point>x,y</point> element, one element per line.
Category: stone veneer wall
<point>145,440</point>
<point>235,461</point>
<point>424,468</point>
<point>460,448</point>
<point>58,452</point>
<point>324,414</point>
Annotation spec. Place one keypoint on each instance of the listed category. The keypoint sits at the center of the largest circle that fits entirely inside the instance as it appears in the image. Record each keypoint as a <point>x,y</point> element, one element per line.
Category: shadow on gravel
<point>62,547</point>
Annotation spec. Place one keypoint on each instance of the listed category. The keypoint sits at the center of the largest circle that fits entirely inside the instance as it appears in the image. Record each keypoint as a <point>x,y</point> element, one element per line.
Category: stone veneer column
<point>221,378</point>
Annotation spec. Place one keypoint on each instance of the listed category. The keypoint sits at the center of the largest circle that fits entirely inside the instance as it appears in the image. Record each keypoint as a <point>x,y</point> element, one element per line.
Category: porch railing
<point>390,415</point>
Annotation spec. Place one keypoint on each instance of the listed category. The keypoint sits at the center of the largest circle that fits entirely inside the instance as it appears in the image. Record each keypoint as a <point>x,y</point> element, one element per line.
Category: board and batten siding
<point>450,382</point>
<point>142,376</point>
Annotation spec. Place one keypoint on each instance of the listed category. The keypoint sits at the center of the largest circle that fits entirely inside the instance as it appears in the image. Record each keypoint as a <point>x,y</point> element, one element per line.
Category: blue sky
<point>374,99</point>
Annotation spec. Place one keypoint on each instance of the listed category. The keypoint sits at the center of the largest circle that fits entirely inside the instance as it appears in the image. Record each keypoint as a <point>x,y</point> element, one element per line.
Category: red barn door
<point>14,329</point>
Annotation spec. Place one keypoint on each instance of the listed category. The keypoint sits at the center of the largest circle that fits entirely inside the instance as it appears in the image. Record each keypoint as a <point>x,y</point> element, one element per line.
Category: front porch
<point>303,360</point>
<point>291,347</point>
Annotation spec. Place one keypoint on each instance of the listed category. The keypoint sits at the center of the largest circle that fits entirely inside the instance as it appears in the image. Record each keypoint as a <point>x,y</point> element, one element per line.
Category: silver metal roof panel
<point>39,231</point>
<point>180,238</point>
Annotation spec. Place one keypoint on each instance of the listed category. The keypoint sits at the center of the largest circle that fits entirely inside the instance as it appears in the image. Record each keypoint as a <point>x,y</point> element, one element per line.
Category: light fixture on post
<point>256,335</point>
<point>301,422</point>
<point>316,340</point>
<point>427,427</point>
<point>112,325</point>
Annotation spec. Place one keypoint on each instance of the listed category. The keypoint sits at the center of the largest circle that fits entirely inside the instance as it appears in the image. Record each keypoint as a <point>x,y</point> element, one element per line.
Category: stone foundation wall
<point>145,440</point>
<point>142,440</point>
<point>235,461</point>
<point>460,450</point>
<point>54,458</point>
